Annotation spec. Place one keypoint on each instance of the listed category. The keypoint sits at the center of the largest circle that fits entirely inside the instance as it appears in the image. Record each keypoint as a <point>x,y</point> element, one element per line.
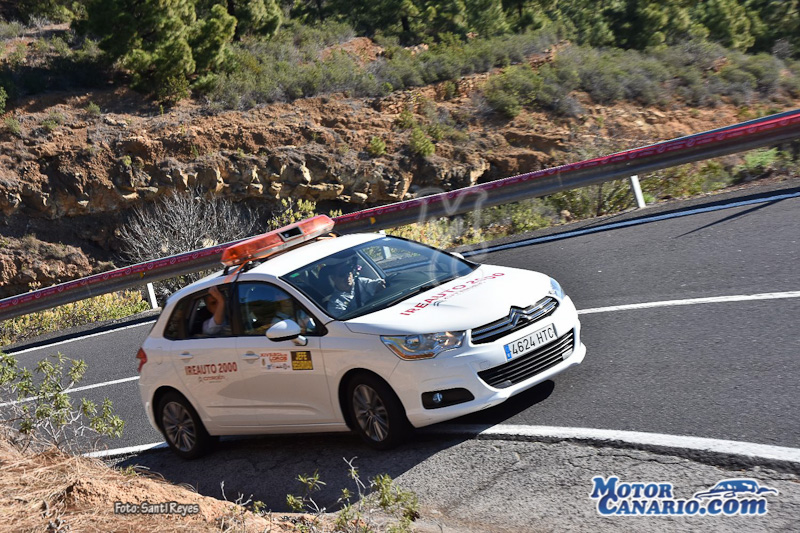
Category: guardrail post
<point>152,294</point>
<point>637,191</point>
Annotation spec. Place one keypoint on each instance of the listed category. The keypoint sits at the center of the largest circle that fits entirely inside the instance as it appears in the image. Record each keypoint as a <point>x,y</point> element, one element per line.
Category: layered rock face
<point>69,176</point>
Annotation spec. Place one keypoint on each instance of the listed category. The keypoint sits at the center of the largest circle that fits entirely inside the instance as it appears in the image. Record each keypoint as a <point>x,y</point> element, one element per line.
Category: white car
<point>365,332</point>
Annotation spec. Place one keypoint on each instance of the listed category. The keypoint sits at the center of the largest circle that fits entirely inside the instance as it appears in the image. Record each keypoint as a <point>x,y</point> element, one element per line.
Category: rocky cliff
<point>73,165</point>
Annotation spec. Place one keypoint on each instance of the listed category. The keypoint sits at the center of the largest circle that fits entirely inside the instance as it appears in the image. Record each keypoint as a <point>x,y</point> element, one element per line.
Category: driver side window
<point>262,305</point>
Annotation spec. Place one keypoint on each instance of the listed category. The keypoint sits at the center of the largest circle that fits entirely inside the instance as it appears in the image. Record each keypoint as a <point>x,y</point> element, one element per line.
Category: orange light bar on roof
<point>276,241</point>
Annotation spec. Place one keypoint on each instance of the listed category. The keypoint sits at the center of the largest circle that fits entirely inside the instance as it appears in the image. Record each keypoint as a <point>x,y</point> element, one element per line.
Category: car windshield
<point>375,275</point>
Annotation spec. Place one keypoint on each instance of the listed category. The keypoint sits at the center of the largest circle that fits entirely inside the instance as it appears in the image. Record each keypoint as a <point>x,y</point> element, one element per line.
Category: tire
<point>376,412</point>
<point>182,428</point>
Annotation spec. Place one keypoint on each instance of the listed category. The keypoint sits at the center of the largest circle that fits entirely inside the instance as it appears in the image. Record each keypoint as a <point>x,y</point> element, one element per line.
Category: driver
<point>349,290</point>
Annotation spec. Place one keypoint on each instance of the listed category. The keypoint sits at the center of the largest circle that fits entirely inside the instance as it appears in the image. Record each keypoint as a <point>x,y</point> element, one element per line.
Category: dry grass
<point>53,491</point>
<point>108,306</point>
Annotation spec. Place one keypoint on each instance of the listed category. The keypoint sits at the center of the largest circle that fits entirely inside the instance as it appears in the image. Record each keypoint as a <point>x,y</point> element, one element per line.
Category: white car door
<point>287,379</point>
<point>209,367</point>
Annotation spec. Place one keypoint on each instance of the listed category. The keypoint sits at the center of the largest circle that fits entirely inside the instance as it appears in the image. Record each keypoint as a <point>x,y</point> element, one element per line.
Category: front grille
<point>517,319</point>
<point>528,365</point>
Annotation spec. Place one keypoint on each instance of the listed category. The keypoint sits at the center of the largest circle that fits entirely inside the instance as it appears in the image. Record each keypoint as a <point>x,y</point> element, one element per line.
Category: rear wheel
<point>377,414</point>
<point>182,427</point>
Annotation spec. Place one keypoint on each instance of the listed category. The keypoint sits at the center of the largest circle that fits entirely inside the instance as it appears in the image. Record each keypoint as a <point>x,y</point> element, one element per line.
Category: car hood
<point>482,296</point>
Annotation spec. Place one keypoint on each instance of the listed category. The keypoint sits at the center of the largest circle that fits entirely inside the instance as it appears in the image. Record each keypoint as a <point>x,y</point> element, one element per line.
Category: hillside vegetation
<point>112,105</point>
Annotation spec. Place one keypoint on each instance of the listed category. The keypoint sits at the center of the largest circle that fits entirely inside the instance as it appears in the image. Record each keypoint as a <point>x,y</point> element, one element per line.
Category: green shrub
<point>513,218</point>
<point>405,120</point>
<point>420,144</point>
<point>449,90</point>
<point>399,507</point>
<point>594,200</point>
<point>93,109</point>
<point>288,66</point>
<point>760,159</point>
<point>10,30</point>
<point>43,412</point>
<point>173,90</point>
<point>509,92</point>
<point>376,147</point>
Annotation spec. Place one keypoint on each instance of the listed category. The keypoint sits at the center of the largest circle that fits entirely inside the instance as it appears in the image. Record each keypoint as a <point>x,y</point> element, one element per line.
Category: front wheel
<point>376,412</point>
<point>182,427</point>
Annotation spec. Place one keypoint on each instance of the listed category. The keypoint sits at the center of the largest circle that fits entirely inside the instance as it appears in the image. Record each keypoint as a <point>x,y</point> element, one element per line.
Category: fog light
<point>445,398</point>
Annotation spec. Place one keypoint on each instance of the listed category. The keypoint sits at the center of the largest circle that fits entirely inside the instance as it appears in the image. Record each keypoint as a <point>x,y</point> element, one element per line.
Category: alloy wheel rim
<point>179,426</point>
<point>371,413</point>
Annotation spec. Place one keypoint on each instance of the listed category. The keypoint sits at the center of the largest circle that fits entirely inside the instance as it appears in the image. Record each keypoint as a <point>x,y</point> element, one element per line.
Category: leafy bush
<point>40,409</point>
<point>594,200</point>
<point>376,147</point>
<point>400,507</point>
<point>514,218</point>
<point>172,90</point>
<point>441,233</point>
<point>10,30</point>
<point>512,90</point>
<point>420,144</point>
<point>104,307</point>
<point>405,120</point>
<point>289,65</point>
<point>13,126</point>
<point>93,109</point>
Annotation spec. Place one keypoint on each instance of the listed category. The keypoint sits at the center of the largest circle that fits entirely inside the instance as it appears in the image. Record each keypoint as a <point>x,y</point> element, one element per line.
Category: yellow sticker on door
<point>302,361</point>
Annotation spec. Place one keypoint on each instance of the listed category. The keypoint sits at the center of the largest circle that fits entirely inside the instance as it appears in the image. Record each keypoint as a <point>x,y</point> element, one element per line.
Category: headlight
<point>556,290</point>
<point>425,346</point>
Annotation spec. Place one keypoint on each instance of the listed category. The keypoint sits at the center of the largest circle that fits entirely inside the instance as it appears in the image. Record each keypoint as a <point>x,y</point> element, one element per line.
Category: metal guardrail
<point>723,141</point>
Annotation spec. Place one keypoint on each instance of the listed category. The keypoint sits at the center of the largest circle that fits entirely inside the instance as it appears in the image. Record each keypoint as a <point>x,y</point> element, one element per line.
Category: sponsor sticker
<point>275,361</point>
<point>302,361</point>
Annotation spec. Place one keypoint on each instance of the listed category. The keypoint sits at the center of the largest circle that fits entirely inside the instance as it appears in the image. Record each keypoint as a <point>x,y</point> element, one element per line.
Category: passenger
<point>349,290</point>
<point>215,303</point>
<point>288,311</point>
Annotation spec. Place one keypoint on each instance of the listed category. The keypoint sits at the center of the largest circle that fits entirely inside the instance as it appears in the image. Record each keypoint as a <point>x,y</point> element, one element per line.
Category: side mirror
<point>286,330</point>
<point>456,254</point>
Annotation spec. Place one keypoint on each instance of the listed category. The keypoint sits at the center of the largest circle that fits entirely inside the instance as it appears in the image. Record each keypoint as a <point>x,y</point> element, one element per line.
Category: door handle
<point>250,356</point>
<point>186,355</point>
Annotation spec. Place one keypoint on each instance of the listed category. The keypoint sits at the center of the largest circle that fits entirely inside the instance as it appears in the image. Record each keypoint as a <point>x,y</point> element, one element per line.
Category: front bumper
<point>459,369</point>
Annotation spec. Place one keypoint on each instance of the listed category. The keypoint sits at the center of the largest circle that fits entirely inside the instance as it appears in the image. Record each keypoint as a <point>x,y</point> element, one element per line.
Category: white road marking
<point>693,301</point>
<point>126,451</point>
<point>628,223</point>
<point>597,436</point>
<point>628,307</point>
<point>67,341</point>
<point>76,389</point>
<point>747,449</point>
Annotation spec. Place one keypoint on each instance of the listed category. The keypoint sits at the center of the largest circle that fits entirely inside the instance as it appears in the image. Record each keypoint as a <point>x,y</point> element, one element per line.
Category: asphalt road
<point>721,370</point>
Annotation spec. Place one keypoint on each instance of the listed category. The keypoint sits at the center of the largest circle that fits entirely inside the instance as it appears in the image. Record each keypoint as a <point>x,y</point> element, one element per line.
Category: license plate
<point>530,342</point>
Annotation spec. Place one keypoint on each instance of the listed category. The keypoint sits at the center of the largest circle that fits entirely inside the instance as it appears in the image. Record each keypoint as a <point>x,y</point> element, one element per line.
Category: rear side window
<point>188,316</point>
<point>176,325</point>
